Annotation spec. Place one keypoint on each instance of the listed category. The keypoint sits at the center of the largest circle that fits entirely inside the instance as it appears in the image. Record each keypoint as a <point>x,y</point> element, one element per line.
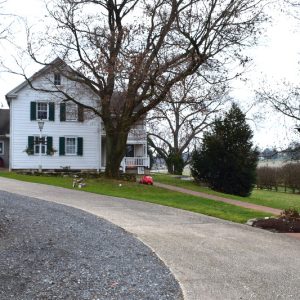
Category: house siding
<point>23,124</point>
<point>22,127</point>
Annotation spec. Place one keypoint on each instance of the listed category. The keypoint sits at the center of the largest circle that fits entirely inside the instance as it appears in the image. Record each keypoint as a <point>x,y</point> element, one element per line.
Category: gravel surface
<point>50,251</point>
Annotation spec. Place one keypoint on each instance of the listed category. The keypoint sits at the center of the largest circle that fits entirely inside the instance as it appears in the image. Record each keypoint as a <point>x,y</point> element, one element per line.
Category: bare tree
<point>285,100</point>
<point>2,30</point>
<point>141,48</point>
<point>293,3</point>
<point>176,124</point>
<point>285,97</point>
<point>4,23</point>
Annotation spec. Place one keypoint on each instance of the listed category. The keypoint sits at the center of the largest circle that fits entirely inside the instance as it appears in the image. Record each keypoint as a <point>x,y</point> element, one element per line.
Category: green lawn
<point>151,194</point>
<point>273,199</point>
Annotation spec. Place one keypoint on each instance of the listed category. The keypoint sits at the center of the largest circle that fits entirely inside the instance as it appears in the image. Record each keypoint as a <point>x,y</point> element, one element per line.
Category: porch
<point>135,162</point>
<point>135,159</point>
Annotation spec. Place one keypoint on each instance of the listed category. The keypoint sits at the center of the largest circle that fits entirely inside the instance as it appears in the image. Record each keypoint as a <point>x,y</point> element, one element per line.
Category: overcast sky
<point>274,59</point>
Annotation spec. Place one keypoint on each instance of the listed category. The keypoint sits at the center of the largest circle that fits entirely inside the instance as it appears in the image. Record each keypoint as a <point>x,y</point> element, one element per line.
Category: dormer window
<point>57,79</point>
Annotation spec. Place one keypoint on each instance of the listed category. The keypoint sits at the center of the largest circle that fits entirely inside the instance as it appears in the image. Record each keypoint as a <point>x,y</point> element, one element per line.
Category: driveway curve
<point>211,258</point>
<point>52,251</point>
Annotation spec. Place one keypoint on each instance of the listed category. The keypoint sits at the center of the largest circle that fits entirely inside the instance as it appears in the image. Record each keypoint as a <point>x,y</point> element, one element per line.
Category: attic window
<point>57,79</point>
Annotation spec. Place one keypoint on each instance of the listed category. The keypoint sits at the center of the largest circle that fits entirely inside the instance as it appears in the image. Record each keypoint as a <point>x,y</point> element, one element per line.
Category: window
<point>129,151</point>
<point>71,145</point>
<point>57,79</point>
<point>71,112</point>
<point>42,110</point>
<point>1,148</point>
<point>40,145</point>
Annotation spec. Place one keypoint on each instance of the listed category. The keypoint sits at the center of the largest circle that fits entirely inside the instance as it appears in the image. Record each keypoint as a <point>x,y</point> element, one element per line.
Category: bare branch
<point>141,49</point>
<point>179,121</point>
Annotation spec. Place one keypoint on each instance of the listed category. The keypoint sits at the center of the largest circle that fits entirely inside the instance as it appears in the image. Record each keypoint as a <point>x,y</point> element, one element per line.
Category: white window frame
<point>57,79</point>
<point>37,110</point>
<point>75,106</point>
<point>71,137</point>
<point>2,148</point>
<point>39,145</point>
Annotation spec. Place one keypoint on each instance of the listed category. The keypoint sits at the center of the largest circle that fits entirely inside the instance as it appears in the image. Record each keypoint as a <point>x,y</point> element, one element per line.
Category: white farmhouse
<point>71,137</point>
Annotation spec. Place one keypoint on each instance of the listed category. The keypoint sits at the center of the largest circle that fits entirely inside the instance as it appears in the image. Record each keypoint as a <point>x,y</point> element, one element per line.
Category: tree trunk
<point>115,151</point>
<point>178,166</point>
<point>175,163</point>
<point>170,166</point>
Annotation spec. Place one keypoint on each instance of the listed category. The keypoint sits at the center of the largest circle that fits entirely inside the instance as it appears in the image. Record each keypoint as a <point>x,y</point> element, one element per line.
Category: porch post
<point>123,165</point>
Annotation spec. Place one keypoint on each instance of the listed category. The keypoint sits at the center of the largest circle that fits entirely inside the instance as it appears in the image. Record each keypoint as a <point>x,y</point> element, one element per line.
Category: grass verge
<point>273,199</point>
<point>151,194</point>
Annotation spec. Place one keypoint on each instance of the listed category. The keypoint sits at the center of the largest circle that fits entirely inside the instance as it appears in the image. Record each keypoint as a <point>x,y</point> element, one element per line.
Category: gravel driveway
<point>50,251</point>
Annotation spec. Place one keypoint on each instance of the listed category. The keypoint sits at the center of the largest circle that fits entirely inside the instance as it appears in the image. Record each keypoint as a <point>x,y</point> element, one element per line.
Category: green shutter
<point>30,150</point>
<point>32,111</point>
<point>49,145</point>
<point>51,111</point>
<point>80,146</point>
<point>62,146</point>
<point>62,112</point>
<point>80,113</point>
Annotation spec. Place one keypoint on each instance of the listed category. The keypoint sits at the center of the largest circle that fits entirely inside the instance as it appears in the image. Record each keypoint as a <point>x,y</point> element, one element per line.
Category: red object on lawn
<point>146,180</point>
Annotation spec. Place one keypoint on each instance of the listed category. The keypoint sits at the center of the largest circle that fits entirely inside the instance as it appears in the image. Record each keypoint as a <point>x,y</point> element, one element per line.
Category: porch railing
<point>135,162</point>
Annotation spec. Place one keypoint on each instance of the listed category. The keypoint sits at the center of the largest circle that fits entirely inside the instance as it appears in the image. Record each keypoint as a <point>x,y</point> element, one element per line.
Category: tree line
<point>286,177</point>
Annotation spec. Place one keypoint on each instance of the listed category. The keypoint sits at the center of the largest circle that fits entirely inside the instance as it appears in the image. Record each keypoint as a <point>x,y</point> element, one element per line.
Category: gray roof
<point>4,121</point>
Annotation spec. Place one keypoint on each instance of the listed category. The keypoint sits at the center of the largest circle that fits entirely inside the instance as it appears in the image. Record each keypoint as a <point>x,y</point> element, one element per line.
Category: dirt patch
<point>278,224</point>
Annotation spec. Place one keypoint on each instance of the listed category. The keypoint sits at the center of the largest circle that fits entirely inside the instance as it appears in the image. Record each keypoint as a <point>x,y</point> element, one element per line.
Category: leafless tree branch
<point>141,48</point>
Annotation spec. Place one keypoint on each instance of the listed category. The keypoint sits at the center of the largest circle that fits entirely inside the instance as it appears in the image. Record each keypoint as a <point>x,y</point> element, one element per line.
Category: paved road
<point>211,258</point>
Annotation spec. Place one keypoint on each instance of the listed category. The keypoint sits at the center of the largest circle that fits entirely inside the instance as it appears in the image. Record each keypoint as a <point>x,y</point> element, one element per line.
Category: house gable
<point>49,68</point>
